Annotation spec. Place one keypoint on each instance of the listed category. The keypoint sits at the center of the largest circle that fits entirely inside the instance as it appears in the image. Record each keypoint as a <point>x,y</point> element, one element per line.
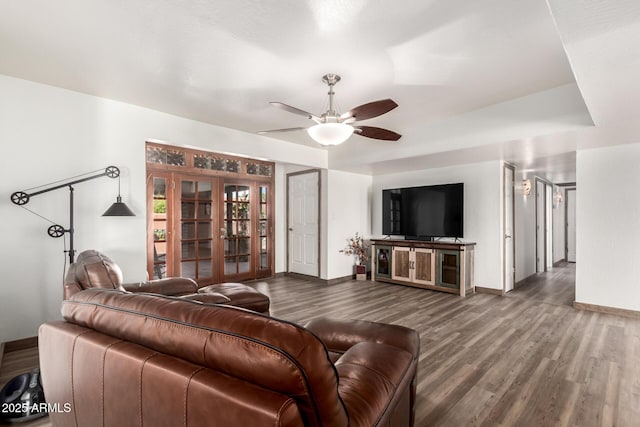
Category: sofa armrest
<point>377,384</point>
<point>169,286</point>
<point>341,335</point>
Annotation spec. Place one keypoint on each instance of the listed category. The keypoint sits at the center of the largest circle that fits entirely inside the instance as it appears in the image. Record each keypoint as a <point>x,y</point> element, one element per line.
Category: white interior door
<point>509,266</point>
<point>540,226</point>
<point>548,221</point>
<point>570,209</point>
<point>303,222</point>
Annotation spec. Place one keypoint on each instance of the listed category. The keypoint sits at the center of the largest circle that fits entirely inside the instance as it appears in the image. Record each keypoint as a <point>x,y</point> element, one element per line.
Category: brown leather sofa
<point>94,269</point>
<point>139,359</point>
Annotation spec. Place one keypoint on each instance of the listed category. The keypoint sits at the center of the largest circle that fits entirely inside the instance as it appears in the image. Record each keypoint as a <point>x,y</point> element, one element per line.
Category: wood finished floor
<point>527,359</point>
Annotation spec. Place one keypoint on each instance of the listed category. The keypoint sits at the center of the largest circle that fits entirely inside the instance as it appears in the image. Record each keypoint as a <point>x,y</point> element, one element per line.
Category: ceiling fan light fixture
<point>330,133</point>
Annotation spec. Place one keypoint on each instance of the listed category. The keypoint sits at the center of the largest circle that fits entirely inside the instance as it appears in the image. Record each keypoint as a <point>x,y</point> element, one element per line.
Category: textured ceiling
<point>488,79</point>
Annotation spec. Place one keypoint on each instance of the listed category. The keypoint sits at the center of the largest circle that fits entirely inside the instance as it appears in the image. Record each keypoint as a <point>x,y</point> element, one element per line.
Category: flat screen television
<point>423,213</point>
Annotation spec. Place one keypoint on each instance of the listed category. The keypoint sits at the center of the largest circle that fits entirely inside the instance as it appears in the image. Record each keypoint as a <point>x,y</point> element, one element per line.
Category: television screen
<point>424,212</point>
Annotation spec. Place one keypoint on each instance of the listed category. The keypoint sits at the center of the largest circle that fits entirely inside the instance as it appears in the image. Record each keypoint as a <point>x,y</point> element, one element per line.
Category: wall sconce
<point>558,197</point>
<point>116,209</point>
<point>526,187</point>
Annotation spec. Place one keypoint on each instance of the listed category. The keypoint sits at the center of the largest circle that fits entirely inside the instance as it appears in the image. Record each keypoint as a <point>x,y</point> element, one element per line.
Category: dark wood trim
<point>189,167</point>
<point>565,184</point>
<point>492,291</point>
<point>607,310</point>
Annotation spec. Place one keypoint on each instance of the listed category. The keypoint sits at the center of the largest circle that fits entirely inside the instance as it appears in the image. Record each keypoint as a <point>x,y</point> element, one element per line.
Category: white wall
<point>608,227</point>
<point>47,134</point>
<point>482,210</point>
<point>348,211</point>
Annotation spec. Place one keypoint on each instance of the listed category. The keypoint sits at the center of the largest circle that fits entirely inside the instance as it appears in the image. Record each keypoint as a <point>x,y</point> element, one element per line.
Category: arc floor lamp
<point>116,209</point>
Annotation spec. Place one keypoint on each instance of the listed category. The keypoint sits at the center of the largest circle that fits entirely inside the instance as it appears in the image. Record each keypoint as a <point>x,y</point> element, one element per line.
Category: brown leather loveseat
<point>138,359</point>
<point>94,269</point>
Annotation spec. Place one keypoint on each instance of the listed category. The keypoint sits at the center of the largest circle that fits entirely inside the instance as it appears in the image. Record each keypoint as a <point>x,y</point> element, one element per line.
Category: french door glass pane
<point>237,223</point>
<point>230,265</point>
<point>188,189</point>
<point>204,210</point>
<point>196,229</point>
<point>188,210</point>
<point>204,249</point>
<point>204,230</point>
<point>159,228</point>
<point>243,264</point>
<point>263,227</point>
<point>188,230</point>
<point>188,250</point>
<point>204,190</point>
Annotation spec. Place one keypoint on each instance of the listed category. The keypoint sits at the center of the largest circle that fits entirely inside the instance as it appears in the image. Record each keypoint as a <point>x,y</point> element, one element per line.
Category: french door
<point>211,229</point>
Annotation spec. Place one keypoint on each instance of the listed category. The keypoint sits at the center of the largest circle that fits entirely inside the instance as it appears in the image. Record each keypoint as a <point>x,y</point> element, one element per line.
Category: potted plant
<point>356,246</point>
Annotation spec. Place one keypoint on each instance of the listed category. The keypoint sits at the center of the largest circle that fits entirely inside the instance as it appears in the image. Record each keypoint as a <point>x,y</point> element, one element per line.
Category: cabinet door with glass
<point>449,269</point>
<point>382,262</point>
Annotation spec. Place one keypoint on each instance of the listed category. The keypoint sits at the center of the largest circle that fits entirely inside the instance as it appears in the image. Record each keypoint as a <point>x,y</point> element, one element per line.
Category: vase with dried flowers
<point>356,246</point>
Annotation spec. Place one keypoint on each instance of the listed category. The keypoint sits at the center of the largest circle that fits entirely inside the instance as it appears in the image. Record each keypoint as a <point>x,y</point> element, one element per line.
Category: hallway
<point>556,286</point>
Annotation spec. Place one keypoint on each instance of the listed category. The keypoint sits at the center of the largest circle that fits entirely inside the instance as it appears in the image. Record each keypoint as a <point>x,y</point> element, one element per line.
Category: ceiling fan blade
<point>280,130</point>
<point>295,110</point>
<point>370,110</point>
<point>377,133</point>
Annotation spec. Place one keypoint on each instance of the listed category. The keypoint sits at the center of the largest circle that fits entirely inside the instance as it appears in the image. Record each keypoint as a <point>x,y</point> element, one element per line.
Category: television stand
<point>439,266</point>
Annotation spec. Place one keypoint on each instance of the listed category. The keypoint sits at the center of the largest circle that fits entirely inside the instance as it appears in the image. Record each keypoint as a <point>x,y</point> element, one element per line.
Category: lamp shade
<point>118,209</point>
<point>330,133</point>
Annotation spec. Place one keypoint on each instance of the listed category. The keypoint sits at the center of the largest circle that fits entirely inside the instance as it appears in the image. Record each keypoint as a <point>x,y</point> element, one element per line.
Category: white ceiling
<point>526,81</point>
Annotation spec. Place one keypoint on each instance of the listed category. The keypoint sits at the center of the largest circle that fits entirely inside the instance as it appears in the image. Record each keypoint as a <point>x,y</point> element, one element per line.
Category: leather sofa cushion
<point>274,354</point>
<point>242,296</point>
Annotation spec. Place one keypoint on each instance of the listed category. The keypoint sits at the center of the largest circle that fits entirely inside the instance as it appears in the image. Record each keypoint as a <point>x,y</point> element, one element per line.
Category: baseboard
<point>524,281</point>
<point>334,281</point>
<point>20,344</point>
<point>1,354</point>
<point>492,291</point>
<point>607,310</point>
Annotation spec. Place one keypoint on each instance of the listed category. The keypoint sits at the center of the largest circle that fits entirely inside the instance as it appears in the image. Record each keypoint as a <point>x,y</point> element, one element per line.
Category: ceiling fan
<point>334,129</point>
